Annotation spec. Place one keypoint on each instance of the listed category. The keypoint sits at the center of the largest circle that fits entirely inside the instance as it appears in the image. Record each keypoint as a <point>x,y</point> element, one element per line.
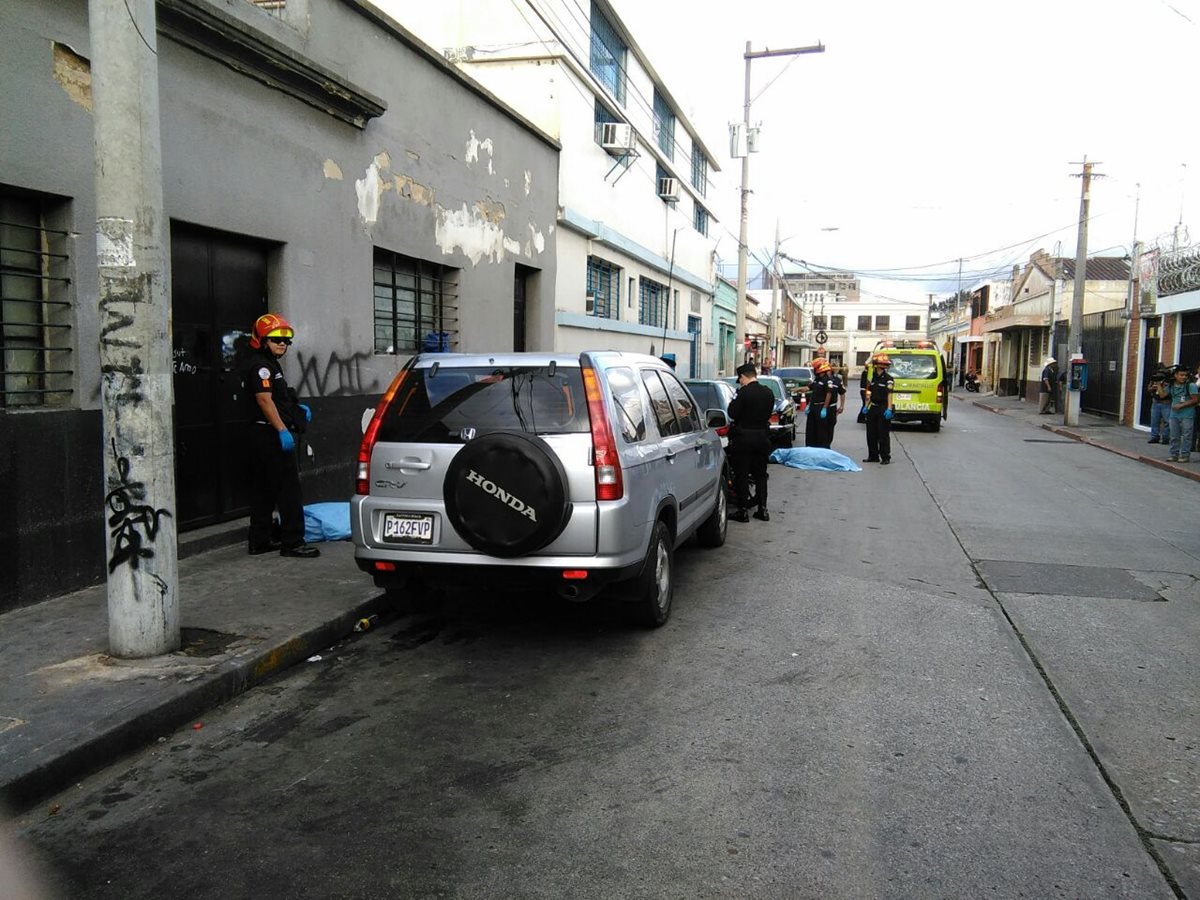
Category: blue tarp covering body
<point>815,458</point>
<point>326,522</point>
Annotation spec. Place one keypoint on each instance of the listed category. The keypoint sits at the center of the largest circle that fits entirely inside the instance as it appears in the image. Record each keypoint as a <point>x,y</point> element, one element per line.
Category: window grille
<point>912,323</point>
<point>883,323</point>
<point>819,323</point>
<point>837,323</point>
<point>603,288</point>
<point>607,58</point>
<point>864,323</point>
<point>35,311</point>
<point>664,125</point>
<point>700,220</point>
<point>416,305</point>
<point>699,169</point>
<point>652,303</point>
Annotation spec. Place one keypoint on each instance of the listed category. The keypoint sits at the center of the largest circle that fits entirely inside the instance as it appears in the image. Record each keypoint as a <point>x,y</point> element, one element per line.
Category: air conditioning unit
<point>616,137</point>
<point>668,188</point>
<point>589,304</point>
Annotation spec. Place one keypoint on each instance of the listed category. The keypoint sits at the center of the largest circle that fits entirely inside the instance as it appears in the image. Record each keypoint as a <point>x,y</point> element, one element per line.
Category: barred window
<point>837,323</point>
<point>35,310</point>
<point>912,323</point>
<point>699,169</point>
<point>416,305</point>
<point>700,219</point>
<point>664,125</point>
<point>652,303</point>
<point>883,323</point>
<point>603,288</point>
<point>819,323</point>
<point>864,323</point>
<point>607,58</point>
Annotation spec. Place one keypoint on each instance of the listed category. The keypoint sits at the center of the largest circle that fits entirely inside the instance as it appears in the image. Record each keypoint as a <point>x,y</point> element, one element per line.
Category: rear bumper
<point>492,575</point>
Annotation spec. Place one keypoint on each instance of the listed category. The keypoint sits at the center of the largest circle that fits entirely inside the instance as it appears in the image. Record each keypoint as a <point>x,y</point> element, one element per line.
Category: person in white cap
<point>1048,390</point>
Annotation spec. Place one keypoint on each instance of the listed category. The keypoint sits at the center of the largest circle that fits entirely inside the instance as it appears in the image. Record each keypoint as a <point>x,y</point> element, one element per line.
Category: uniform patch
<point>264,373</point>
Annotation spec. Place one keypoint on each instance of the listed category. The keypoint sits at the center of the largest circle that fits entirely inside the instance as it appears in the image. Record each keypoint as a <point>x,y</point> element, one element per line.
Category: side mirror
<point>715,418</point>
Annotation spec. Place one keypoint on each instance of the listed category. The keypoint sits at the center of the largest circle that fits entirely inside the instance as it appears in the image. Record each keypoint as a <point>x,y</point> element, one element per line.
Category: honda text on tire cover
<point>573,473</point>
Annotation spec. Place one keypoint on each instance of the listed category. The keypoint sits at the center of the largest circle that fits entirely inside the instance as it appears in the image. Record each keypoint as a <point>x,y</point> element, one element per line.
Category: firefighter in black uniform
<point>879,412</point>
<point>822,399</point>
<point>276,417</point>
<point>750,442</point>
<point>837,387</point>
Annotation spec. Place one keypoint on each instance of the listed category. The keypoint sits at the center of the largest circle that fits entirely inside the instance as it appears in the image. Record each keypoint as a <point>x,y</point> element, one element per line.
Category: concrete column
<point>135,338</point>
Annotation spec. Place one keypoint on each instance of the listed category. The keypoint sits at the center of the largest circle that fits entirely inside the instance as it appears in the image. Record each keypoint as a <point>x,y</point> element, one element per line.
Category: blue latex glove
<point>887,414</point>
<point>307,412</point>
<point>824,412</point>
<point>863,412</point>
<point>286,441</point>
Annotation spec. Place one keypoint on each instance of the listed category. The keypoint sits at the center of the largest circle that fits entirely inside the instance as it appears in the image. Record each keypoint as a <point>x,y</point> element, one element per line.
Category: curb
<point>1061,430</point>
<point>102,749</point>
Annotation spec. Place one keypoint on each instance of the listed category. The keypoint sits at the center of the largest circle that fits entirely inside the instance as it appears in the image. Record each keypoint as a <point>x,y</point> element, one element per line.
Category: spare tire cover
<point>506,494</point>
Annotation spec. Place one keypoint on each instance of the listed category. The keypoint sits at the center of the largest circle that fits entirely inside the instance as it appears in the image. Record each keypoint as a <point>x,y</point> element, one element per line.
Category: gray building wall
<point>445,174</point>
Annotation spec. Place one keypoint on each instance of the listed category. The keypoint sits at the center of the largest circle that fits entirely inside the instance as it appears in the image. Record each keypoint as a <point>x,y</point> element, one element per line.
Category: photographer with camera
<point>1159,391</point>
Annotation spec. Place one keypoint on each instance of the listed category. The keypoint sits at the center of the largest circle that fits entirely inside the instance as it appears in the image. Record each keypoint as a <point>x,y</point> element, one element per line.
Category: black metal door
<point>1150,365</point>
<point>1103,340</point>
<point>1189,339</point>
<point>218,289</point>
<point>520,289</point>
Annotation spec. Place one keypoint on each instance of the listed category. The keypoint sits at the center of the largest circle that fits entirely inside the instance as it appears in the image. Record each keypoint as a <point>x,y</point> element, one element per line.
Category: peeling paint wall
<point>74,73</point>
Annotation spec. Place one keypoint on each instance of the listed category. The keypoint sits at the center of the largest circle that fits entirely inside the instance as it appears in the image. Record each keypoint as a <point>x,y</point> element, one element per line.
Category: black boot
<point>739,515</point>
<point>762,515</point>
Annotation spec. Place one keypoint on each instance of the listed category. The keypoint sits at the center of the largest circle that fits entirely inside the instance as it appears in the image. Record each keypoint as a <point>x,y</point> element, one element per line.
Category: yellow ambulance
<point>922,390</point>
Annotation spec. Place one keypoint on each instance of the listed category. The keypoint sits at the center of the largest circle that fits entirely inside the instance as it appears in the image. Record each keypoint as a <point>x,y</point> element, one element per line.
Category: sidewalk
<point>1098,431</point>
<point>67,708</point>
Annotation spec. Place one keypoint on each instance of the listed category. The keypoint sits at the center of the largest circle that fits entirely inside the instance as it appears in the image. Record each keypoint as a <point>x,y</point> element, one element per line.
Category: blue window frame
<point>699,169</point>
<point>700,219</point>
<point>652,303</point>
<point>604,288</point>
<point>608,52</point>
<point>664,125</point>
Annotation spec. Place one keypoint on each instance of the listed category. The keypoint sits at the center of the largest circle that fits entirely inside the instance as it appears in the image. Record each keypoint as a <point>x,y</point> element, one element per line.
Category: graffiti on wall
<point>337,376</point>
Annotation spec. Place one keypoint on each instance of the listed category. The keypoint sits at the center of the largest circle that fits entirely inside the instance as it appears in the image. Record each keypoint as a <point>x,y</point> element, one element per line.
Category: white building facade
<point>636,225</point>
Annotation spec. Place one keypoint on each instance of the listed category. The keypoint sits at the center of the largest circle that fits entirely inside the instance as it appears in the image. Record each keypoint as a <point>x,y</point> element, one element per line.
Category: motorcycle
<point>971,383</point>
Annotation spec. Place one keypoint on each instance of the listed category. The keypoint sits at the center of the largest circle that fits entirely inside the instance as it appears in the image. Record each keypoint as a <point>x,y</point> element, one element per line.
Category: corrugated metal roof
<point>1100,268</point>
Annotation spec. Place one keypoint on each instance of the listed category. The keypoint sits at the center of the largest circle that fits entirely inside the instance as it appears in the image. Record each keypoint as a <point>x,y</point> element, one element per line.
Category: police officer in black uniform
<point>750,442</point>
<point>838,388</point>
<point>879,412</point>
<point>276,417</point>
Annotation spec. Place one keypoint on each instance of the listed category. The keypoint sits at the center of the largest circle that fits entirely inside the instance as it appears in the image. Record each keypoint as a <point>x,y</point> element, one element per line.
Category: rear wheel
<point>934,424</point>
<point>651,591</point>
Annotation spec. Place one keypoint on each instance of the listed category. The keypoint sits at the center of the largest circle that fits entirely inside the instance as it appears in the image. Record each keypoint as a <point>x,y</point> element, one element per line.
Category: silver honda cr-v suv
<point>574,472</point>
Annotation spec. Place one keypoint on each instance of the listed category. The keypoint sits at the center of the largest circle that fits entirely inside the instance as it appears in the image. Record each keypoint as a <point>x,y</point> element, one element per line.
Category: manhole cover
<point>1008,577</point>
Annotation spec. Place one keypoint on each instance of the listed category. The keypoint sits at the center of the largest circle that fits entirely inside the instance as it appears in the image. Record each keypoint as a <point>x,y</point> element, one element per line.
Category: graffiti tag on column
<point>133,525</point>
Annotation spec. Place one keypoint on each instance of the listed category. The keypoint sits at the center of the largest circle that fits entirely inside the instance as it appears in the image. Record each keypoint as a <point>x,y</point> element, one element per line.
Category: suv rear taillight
<point>774,418</point>
<point>362,481</point>
<point>609,483</point>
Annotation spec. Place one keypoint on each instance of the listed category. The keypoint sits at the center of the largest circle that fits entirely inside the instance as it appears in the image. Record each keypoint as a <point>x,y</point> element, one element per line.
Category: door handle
<point>670,456</point>
<point>408,464</point>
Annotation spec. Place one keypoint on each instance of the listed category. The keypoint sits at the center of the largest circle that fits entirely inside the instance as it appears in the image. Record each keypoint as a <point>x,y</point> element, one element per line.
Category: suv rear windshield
<point>913,365</point>
<point>452,405</point>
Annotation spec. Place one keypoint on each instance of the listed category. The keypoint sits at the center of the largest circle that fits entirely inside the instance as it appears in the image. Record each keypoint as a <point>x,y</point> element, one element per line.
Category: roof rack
<point>905,344</point>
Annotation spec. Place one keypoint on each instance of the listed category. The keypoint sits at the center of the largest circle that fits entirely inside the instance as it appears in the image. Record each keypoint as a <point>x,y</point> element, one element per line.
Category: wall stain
<point>74,73</point>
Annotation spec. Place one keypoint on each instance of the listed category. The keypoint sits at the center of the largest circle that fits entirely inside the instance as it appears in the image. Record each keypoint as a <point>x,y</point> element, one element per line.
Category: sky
<point>937,130</point>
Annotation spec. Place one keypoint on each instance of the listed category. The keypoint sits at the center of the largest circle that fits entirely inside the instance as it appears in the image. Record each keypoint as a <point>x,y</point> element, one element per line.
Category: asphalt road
<point>970,673</point>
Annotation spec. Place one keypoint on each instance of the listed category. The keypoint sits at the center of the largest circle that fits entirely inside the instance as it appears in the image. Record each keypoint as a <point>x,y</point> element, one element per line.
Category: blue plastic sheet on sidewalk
<point>326,522</point>
<point>819,458</point>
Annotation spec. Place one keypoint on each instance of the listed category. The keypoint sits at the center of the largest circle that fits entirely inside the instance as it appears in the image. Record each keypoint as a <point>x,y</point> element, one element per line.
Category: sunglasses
<point>287,342</point>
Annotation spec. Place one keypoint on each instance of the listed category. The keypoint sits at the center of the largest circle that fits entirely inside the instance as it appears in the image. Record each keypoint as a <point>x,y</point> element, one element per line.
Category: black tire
<point>712,532</point>
<point>506,494</point>
<point>934,424</point>
<point>650,593</point>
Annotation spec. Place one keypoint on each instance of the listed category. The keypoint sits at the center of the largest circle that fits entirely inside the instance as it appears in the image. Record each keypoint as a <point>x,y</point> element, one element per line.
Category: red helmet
<point>270,325</point>
<point>881,359</point>
<point>821,365</point>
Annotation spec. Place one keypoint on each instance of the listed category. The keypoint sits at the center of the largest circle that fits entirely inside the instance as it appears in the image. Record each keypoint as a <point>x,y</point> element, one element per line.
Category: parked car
<point>573,472</point>
<point>796,379</point>
<point>710,395</point>
<point>783,419</point>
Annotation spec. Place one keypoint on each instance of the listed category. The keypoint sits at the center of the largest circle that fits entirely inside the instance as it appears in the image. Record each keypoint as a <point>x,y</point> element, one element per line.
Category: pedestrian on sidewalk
<point>1184,396</point>
<point>750,443</point>
<point>276,417</point>
<point>1048,390</point>
<point>1159,392</point>
<point>879,412</point>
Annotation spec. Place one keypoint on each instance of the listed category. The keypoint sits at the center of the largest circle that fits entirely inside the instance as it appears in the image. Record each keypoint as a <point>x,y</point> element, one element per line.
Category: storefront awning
<point>970,338</point>
<point>1009,322</point>
<point>799,344</point>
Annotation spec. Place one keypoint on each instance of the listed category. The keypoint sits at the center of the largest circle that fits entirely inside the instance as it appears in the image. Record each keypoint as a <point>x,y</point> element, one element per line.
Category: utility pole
<point>135,339</point>
<point>773,330</point>
<point>744,229</point>
<point>1075,333</point>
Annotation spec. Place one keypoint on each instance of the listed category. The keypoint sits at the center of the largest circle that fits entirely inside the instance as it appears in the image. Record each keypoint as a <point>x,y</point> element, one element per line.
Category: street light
<point>743,236</point>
